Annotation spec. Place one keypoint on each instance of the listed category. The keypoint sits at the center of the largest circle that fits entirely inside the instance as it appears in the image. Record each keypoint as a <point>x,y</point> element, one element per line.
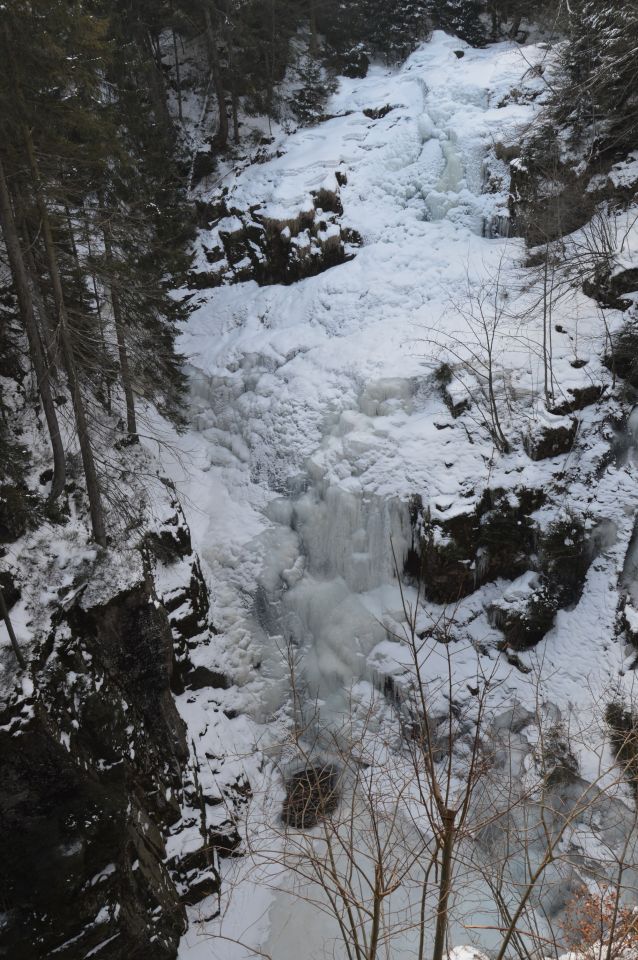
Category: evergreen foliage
<point>374,28</point>
<point>596,95</point>
<point>460,17</point>
<point>94,216</point>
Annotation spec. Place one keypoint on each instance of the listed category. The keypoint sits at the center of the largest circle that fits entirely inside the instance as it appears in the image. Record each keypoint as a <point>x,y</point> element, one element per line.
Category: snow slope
<point>316,416</point>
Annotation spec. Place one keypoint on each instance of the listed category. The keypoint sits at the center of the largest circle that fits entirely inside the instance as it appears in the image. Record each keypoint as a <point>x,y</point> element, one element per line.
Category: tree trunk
<point>178,79</point>
<point>4,613</point>
<point>47,327</point>
<point>106,385</point>
<point>88,461</point>
<point>314,42</point>
<point>213,59</point>
<point>234,99</point>
<point>25,301</point>
<point>447,851</point>
<point>74,246</point>
<point>235,109</point>
<point>153,78</point>
<point>376,912</point>
<point>120,333</point>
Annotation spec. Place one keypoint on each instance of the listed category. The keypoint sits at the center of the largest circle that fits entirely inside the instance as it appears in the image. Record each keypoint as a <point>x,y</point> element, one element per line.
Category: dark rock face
<point>379,113</point>
<point>498,539</point>
<point>562,561</point>
<point>494,539</point>
<point>623,725</point>
<point>551,198</point>
<point>172,540</point>
<point>18,507</point>
<point>525,624</point>
<point>275,247</point>
<point>92,767</point>
<point>188,609</point>
<point>565,205</point>
<point>610,290</point>
<point>551,439</point>
<point>578,398</point>
<point>190,616</point>
<point>622,359</point>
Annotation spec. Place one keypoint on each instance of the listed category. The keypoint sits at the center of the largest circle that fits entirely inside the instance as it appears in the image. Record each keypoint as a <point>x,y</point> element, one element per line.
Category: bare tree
<point>544,859</point>
<point>393,817</point>
<point>378,808</point>
<point>473,350</point>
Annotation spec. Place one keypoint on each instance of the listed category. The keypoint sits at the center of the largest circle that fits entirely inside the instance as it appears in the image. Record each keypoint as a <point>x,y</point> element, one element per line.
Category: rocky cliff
<point>96,772</point>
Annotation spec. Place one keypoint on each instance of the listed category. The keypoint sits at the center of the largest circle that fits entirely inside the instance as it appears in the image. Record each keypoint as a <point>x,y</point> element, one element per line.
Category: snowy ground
<point>316,416</point>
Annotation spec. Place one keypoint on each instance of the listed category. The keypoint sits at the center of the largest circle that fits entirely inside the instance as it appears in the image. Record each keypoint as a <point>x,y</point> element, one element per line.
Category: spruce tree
<point>460,17</point>
<point>35,92</point>
<point>98,223</point>
<point>596,95</point>
<point>28,316</point>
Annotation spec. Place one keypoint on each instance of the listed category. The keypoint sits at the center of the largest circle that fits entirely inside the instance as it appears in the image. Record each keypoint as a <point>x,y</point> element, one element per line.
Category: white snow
<point>316,417</point>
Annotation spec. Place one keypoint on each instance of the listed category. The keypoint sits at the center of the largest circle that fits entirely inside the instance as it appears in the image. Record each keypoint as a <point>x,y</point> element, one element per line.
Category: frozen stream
<point>316,399</point>
<point>315,420</point>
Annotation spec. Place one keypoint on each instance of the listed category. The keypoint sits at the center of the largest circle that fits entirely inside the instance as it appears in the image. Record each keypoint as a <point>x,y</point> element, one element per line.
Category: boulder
<point>563,557</point>
<point>378,113</point>
<point>550,436</point>
<point>277,245</point>
<point>311,795</point>
<point>577,398</point>
<point>622,359</point>
<point>171,540</point>
<point>524,622</point>
<point>492,538</point>
<point>610,289</point>
<point>507,151</point>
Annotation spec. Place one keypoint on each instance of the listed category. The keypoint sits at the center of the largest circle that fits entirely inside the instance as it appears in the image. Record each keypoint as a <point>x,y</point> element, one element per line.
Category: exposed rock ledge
<point>272,244</point>
<point>96,773</point>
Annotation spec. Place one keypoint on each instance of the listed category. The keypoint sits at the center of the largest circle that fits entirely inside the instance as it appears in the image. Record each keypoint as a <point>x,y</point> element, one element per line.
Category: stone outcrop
<point>610,288</point>
<point>311,795</point>
<point>551,199</point>
<point>550,436</point>
<point>493,538</point>
<point>270,245</point>
<point>96,773</point>
<point>562,559</point>
<point>92,759</point>
<point>622,358</point>
<point>180,583</point>
<point>577,398</point>
<point>498,538</point>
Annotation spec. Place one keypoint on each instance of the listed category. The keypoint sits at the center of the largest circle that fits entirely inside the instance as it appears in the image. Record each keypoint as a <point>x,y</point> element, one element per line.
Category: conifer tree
<point>27,313</point>
<point>596,95</point>
<point>145,226</point>
<point>460,17</point>
<point>33,94</point>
